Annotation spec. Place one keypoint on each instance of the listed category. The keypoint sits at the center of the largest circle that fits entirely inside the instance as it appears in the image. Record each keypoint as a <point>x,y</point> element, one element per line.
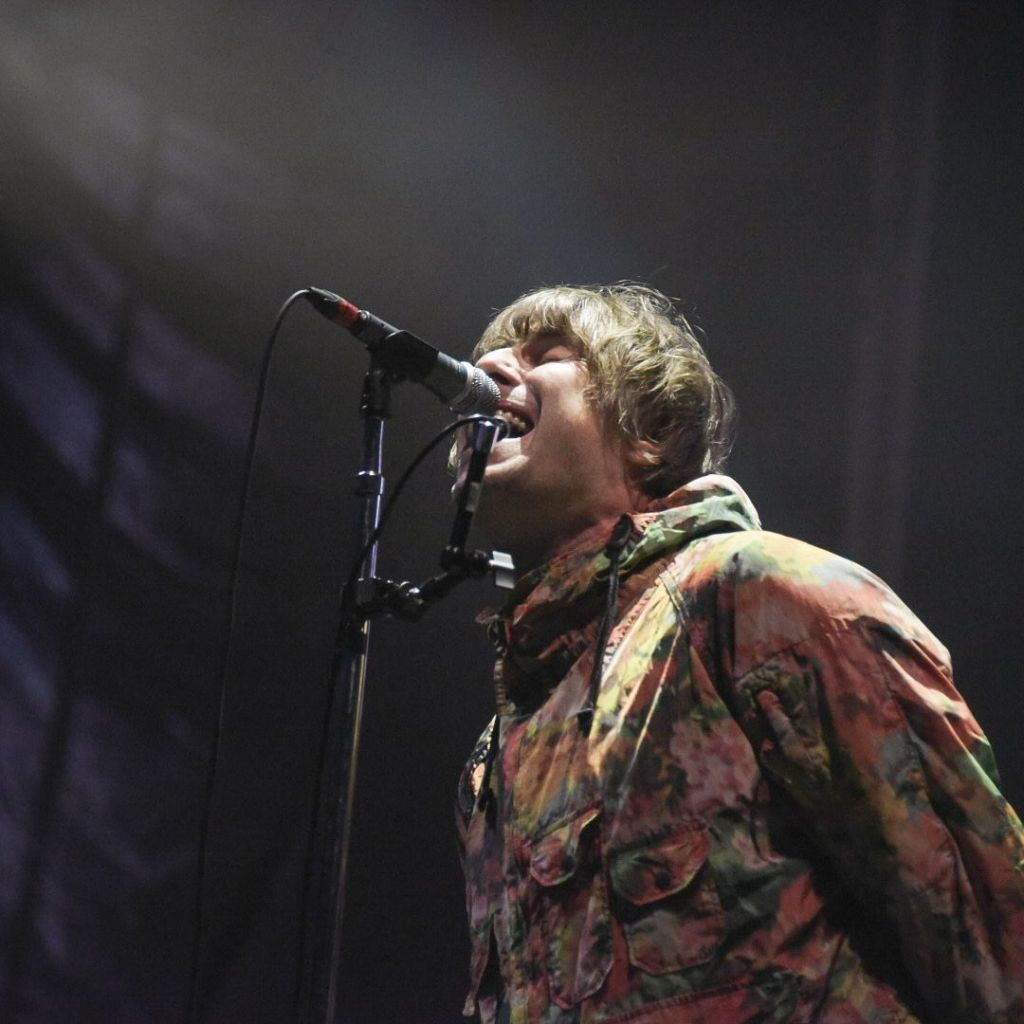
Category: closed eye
<point>559,355</point>
<point>541,349</point>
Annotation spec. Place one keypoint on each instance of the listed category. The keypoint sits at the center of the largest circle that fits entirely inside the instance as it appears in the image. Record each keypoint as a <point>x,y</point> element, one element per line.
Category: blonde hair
<point>648,374</point>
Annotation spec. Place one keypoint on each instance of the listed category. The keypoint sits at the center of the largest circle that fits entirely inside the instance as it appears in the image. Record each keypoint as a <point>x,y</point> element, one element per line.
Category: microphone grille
<point>481,394</point>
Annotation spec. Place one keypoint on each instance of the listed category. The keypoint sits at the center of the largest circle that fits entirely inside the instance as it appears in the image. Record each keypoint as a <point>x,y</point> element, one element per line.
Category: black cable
<point>226,650</point>
<point>614,549</point>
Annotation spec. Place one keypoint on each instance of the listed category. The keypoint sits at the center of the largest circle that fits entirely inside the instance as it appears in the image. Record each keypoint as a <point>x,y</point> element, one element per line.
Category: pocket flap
<point>643,874</point>
<point>555,857</point>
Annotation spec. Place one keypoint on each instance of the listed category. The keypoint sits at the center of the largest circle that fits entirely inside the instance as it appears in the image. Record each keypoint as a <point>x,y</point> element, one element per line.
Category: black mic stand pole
<point>328,865</point>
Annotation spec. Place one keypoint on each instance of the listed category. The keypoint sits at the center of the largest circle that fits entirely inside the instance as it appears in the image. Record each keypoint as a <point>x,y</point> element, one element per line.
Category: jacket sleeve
<point>856,720</point>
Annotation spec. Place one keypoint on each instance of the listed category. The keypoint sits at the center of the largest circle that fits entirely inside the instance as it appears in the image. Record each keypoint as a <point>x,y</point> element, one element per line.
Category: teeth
<point>517,425</point>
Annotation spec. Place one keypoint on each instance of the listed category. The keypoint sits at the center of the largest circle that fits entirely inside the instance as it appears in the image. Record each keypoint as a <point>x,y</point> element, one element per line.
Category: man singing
<point>729,779</point>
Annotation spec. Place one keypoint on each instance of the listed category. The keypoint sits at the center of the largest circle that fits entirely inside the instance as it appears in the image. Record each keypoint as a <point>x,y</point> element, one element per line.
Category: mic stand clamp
<point>405,600</point>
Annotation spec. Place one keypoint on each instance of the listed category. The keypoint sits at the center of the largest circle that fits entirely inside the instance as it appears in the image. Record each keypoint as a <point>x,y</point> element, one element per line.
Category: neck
<point>529,554</point>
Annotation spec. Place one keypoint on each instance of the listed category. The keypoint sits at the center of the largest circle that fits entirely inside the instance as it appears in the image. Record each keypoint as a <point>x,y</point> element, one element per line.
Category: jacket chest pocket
<point>666,900</point>
<point>570,932</point>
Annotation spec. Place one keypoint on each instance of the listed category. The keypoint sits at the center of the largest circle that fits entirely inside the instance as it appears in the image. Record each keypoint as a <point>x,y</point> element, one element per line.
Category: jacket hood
<point>707,505</point>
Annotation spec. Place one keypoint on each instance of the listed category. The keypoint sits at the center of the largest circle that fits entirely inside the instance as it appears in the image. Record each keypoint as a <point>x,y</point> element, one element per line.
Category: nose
<point>502,366</point>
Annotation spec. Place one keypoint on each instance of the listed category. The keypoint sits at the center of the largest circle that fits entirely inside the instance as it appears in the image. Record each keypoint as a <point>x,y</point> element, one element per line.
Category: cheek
<point>582,420</point>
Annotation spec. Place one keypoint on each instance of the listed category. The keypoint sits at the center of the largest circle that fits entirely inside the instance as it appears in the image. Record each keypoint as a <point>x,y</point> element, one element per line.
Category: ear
<point>640,458</point>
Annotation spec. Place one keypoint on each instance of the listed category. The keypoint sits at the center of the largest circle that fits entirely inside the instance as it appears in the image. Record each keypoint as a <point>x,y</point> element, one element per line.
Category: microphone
<point>483,436</point>
<point>463,387</point>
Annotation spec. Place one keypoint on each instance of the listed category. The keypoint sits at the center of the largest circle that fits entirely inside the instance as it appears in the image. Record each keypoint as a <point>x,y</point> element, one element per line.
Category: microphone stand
<point>328,865</point>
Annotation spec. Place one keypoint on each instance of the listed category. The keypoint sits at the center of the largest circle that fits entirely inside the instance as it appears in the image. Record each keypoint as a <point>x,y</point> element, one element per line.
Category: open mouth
<point>518,423</point>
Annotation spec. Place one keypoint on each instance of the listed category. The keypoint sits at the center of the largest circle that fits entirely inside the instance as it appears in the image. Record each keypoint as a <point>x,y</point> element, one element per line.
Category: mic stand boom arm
<point>409,601</point>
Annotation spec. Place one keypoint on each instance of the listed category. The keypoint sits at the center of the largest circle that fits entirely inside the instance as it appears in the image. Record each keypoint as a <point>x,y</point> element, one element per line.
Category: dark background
<point>833,190</point>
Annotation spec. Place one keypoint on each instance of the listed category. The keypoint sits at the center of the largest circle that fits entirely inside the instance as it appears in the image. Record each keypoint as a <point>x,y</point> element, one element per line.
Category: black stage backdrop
<point>832,189</point>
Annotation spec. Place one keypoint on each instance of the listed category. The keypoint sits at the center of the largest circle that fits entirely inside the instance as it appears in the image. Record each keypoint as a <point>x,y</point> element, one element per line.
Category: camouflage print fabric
<point>782,810</point>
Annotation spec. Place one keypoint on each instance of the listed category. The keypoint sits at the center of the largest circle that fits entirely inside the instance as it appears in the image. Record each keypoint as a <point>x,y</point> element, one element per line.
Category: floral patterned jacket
<point>781,810</point>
